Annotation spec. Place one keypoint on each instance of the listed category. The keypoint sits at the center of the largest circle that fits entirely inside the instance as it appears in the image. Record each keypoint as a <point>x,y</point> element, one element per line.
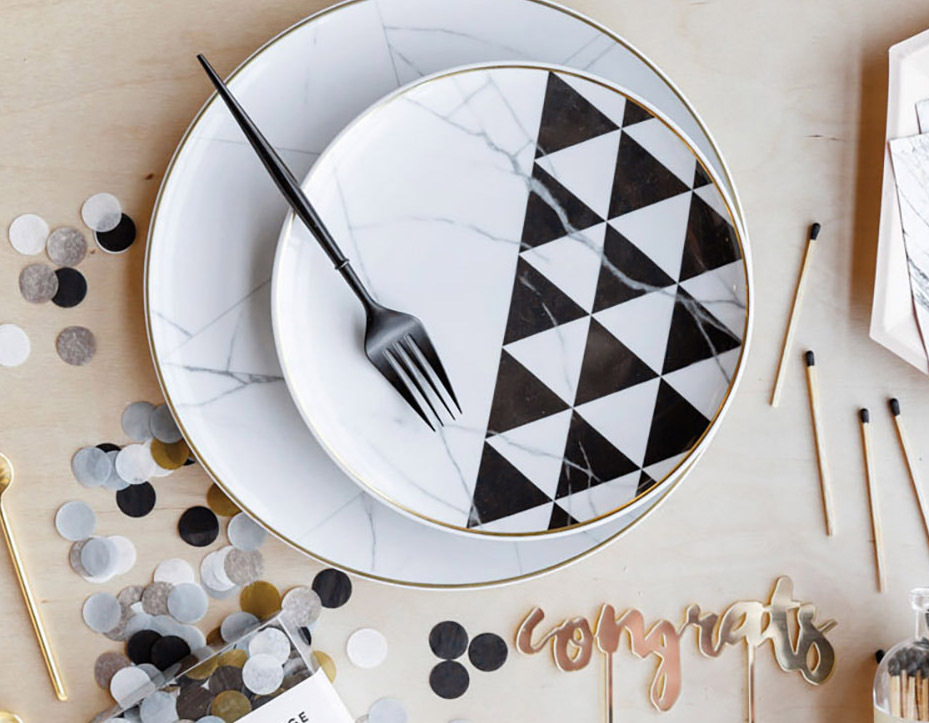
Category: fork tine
<point>416,356</point>
<point>428,351</point>
<point>401,357</point>
<point>386,368</point>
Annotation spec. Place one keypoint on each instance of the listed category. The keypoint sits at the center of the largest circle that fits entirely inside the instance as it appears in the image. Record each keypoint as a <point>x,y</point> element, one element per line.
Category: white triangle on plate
<point>624,418</point>
<point>531,520</point>
<point>714,200</point>
<point>659,140</point>
<point>602,498</point>
<point>537,449</point>
<point>659,231</point>
<point>586,170</point>
<point>706,383</point>
<point>660,470</point>
<point>722,293</point>
<point>572,263</point>
<point>643,324</point>
<point>605,100</point>
<point>555,356</point>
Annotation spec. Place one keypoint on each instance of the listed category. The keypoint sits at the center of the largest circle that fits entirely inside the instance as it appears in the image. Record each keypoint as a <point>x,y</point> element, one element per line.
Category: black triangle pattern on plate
<point>568,118</point>
<point>621,256</point>
<point>609,366</point>
<point>560,518</point>
<point>501,490</point>
<point>710,242</point>
<point>695,335</point>
<point>589,459</point>
<point>519,398</point>
<point>701,177</point>
<point>536,304</point>
<point>645,484</point>
<point>548,200</point>
<point>640,179</point>
<point>676,426</point>
<point>634,113</point>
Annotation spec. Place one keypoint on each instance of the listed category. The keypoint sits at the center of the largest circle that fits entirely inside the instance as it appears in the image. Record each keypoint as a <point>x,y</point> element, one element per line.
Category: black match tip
<point>879,656</point>
<point>810,358</point>
<point>814,231</point>
<point>895,407</point>
<point>865,416</point>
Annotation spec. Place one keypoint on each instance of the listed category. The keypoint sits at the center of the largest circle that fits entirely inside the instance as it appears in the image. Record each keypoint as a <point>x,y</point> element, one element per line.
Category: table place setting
<point>399,360</point>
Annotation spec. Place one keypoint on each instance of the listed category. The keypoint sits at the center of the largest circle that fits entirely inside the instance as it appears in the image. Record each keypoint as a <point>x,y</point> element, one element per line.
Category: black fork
<point>396,343</point>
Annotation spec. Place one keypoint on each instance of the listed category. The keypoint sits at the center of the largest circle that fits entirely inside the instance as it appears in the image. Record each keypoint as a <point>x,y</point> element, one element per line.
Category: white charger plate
<point>211,248</point>
<point>577,268</point>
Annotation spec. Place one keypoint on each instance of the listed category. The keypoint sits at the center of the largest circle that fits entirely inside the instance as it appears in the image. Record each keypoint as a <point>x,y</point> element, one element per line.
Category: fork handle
<point>290,187</point>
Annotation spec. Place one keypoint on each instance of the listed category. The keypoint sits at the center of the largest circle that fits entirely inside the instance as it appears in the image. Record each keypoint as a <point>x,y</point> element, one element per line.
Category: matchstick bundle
<point>909,683</point>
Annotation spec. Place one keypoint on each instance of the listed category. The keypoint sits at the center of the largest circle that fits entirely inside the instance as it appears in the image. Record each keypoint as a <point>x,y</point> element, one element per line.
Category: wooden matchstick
<point>794,313</point>
<point>865,417</point>
<point>896,697</point>
<point>908,456</point>
<point>824,478</point>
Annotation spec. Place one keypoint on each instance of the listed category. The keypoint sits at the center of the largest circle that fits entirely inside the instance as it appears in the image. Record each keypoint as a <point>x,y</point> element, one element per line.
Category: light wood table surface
<point>95,94</point>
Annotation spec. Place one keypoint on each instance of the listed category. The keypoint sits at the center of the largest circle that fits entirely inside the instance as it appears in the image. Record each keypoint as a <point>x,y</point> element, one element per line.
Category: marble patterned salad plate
<point>579,273</point>
<point>211,247</point>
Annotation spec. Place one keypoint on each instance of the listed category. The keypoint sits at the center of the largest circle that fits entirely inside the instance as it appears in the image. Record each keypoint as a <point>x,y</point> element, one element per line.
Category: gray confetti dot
<point>38,283</point>
<point>130,595</point>
<point>91,466</point>
<point>114,482</point>
<point>262,674</point>
<point>188,603</point>
<point>106,666</point>
<point>163,426</point>
<point>175,571</point>
<point>136,421</point>
<point>102,212</point>
<point>98,557</point>
<point>130,685</point>
<point>75,521</point>
<point>102,612</point>
<point>155,598</point>
<point>387,710</point>
<point>236,625</point>
<point>134,463</point>
<point>14,345</point>
<point>74,557</point>
<point>270,641</point>
<point>242,567</point>
<point>302,605</point>
<point>158,707</point>
<point>244,533</point>
<point>76,345</point>
<point>27,234</point>
<point>118,633</point>
<point>366,648</point>
<point>66,246</point>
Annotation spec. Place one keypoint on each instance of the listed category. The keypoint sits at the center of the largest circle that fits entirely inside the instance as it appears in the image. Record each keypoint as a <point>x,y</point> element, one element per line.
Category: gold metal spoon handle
<point>50,662</point>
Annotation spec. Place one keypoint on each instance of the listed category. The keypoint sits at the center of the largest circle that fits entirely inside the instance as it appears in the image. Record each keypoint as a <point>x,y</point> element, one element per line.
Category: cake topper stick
<point>794,312</point>
<point>824,477</point>
<point>750,682</point>
<point>609,687</point>
<point>908,456</point>
<point>865,417</point>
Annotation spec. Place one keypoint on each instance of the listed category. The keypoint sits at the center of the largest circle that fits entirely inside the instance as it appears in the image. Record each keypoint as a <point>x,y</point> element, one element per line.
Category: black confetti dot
<point>136,500</point>
<point>487,652</point>
<point>119,239</point>
<point>333,587</point>
<point>72,287</point>
<point>448,640</point>
<point>198,526</point>
<point>108,447</point>
<point>226,677</point>
<point>449,679</point>
<point>139,646</point>
<point>169,650</point>
<point>306,635</point>
<point>193,702</point>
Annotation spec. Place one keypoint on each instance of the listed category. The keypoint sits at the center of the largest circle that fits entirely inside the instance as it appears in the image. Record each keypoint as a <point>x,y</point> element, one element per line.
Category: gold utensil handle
<point>50,662</point>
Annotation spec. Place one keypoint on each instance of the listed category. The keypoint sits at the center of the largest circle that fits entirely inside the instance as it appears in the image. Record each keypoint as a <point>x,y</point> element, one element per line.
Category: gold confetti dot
<point>214,637</point>
<point>236,658</point>
<point>170,456</point>
<point>204,670</point>
<point>261,599</point>
<point>217,501</point>
<point>230,705</point>
<point>326,663</point>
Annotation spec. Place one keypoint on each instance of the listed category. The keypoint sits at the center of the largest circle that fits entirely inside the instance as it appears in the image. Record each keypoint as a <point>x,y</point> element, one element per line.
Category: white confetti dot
<point>14,345</point>
<point>28,234</point>
<point>102,212</point>
<point>366,648</point>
